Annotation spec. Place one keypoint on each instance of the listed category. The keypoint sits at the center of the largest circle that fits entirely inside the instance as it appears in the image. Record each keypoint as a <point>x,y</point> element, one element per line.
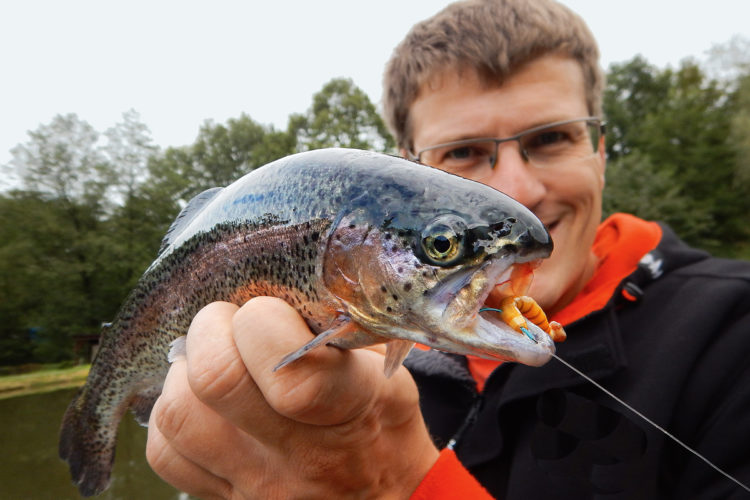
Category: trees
<point>62,160</point>
<point>20,294</point>
<point>93,208</point>
<point>58,213</point>
<point>341,116</point>
<point>673,152</point>
<point>219,155</point>
<point>69,244</point>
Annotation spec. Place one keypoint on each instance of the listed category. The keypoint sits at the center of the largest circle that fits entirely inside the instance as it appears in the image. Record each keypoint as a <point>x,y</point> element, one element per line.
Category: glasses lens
<point>466,158</point>
<point>551,146</point>
<point>561,143</point>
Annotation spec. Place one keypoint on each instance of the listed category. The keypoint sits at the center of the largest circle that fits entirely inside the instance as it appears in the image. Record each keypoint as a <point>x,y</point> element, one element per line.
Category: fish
<point>368,248</point>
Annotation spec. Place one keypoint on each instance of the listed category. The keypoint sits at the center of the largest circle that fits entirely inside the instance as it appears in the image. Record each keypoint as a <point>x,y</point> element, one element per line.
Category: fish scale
<point>344,236</point>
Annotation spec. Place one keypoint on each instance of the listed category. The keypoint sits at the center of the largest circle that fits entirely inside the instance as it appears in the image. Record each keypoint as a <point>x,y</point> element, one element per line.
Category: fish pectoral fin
<point>344,328</point>
<point>395,353</point>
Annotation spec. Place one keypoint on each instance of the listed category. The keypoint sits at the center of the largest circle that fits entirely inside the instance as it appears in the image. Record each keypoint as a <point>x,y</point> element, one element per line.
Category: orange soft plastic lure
<point>516,307</point>
<point>516,310</point>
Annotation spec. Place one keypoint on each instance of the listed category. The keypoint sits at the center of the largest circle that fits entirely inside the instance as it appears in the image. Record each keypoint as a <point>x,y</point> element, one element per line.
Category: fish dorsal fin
<point>193,208</point>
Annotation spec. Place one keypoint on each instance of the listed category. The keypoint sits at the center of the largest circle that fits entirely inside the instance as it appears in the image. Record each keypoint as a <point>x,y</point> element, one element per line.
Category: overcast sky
<point>181,62</point>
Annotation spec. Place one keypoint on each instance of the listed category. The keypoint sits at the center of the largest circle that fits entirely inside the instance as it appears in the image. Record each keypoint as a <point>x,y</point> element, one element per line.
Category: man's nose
<point>514,176</point>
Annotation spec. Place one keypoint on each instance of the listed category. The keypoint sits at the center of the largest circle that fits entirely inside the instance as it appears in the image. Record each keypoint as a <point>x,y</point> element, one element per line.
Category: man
<point>661,325</point>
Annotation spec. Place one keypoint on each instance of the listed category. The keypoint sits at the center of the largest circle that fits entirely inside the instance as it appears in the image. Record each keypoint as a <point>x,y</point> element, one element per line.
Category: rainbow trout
<point>368,248</point>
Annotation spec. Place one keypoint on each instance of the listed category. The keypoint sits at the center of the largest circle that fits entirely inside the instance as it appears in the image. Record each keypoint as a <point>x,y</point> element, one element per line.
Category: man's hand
<point>329,425</point>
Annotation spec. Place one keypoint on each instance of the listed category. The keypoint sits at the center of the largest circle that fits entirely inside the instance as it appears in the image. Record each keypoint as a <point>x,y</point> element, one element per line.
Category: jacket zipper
<point>469,420</point>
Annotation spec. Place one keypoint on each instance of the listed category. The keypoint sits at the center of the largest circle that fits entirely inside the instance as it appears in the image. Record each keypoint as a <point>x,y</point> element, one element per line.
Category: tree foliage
<point>674,147</point>
<point>219,155</point>
<point>92,208</point>
<point>341,116</point>
<point>71,240</point>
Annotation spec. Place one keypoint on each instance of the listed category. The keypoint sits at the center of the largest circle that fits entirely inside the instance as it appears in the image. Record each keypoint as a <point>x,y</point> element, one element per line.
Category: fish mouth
<point>468,331</point>
<point>496,340</point>
<point>505,342</point>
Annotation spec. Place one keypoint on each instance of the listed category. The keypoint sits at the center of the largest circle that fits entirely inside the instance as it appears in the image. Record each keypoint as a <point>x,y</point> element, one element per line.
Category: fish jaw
<point>490,338</point>
<point>464,330</point>
<point>493,339</point>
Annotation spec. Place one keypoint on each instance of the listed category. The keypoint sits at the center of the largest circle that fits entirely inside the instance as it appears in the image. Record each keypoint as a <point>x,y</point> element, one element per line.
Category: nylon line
<point>654,424</point>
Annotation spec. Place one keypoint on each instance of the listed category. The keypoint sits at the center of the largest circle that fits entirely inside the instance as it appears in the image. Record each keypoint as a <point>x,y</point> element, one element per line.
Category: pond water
<point>29,465</point>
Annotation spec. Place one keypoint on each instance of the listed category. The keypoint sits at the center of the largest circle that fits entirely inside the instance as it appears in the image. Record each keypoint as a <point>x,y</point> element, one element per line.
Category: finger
<point>181,473</point>
<point>219,377</point>
<point>197,433</point>
<point>350,411</point>
<point>327,386</point>
<point>177,470</point>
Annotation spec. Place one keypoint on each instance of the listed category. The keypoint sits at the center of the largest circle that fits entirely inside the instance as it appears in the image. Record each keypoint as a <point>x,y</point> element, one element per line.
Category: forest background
<point>92,206</point>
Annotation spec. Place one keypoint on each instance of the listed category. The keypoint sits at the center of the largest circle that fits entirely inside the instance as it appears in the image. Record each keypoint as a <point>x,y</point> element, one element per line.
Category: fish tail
<point>87,444</point>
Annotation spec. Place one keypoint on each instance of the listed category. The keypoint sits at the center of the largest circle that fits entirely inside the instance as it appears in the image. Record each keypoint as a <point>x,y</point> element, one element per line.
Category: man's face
<point>567,198</point>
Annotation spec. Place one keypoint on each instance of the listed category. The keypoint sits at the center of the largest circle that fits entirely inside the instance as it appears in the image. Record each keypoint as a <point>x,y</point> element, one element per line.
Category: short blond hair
<point>491,37</point>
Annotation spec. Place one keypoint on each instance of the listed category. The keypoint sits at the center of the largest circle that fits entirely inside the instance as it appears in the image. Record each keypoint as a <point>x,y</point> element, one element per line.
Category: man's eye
<point>466,153</point>
<point>548,138</point>
<point>459,153</point>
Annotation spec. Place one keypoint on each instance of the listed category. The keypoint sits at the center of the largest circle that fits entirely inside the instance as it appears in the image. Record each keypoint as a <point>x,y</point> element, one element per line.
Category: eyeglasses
<point>547,146</point>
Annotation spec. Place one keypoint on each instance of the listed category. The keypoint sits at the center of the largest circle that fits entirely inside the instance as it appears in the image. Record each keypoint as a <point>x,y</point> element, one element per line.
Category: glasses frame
<point>590,120</point>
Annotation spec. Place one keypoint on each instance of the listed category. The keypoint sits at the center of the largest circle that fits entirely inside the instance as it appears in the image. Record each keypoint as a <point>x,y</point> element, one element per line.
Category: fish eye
<point>442,240</point>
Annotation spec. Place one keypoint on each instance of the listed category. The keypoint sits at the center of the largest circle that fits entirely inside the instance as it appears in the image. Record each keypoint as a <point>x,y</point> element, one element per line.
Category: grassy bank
<point>42,381</point>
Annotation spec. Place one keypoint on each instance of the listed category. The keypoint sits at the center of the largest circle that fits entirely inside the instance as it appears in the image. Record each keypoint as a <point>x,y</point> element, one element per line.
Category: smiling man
<point>508,93</point>
<point>557,172</point>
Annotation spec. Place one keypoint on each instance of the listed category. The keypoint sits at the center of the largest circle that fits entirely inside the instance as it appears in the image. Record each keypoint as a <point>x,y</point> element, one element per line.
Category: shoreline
<point>42,381</point>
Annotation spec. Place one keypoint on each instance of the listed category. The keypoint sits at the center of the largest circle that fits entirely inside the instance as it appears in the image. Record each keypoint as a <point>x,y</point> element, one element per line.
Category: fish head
<point>425,270</point>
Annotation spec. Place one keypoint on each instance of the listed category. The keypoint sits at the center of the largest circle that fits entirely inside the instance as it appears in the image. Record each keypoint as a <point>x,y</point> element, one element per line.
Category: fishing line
<point>525,330</point>
<point>654,424</point>
<point>629,407</point>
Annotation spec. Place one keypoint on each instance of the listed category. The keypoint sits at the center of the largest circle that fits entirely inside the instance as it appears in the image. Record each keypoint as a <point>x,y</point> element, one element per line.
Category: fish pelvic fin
<point>346,334</point>
<point>88,446</point>
<point>340,329</point>
<point>395,353</point>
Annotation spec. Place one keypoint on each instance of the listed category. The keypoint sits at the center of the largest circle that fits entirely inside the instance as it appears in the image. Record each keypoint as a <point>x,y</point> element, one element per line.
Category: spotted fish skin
<point>340,235</point>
